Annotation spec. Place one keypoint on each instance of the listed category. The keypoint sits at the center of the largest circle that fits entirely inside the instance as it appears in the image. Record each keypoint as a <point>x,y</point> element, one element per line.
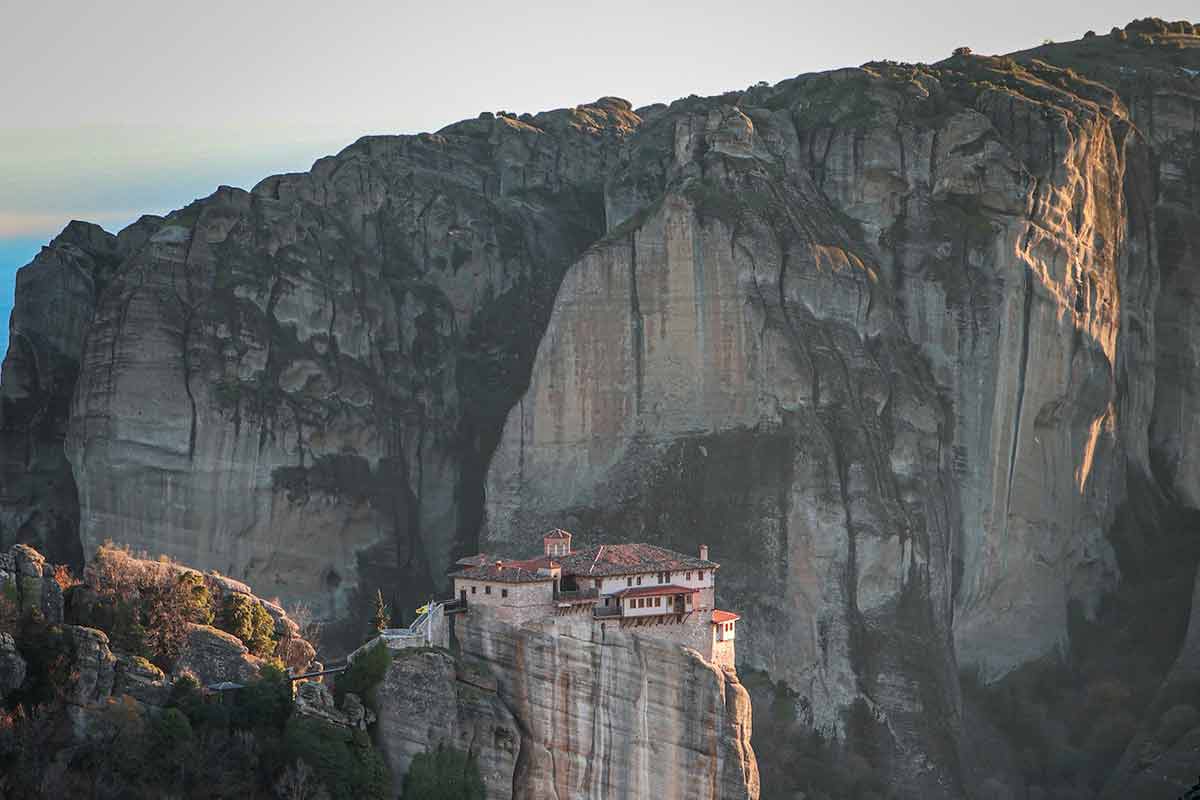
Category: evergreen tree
<point>382,618</point>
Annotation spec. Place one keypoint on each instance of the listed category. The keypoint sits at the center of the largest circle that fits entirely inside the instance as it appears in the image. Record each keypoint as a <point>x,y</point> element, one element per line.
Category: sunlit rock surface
<point>551,711</point>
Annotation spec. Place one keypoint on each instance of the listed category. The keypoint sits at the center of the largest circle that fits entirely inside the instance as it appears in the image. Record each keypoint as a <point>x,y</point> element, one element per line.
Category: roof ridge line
<point>594,560</point>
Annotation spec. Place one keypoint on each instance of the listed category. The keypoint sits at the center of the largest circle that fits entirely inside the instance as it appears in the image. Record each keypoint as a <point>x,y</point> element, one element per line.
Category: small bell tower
<point>556,543</point>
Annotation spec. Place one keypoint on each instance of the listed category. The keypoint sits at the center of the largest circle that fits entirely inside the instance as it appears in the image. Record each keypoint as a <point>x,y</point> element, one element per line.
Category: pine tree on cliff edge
<point>382,616</point>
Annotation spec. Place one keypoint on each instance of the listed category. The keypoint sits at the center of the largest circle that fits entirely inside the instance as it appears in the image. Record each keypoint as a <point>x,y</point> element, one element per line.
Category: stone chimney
<point>704,552</point>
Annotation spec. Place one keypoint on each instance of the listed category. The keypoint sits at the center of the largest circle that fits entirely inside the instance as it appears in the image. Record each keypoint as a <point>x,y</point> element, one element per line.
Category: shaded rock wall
<point>299,385</point>
<point>56,296</point>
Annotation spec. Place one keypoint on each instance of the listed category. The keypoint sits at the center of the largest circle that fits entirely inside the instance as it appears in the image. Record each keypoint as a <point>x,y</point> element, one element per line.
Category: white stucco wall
<point>665,606</point>
<point>616,583</point>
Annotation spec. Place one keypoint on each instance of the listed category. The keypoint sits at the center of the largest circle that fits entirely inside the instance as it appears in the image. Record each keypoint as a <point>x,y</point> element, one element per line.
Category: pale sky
<point>113,109</point>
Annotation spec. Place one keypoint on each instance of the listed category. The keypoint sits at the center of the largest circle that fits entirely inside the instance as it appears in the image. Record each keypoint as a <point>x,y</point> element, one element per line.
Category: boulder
<point>94,671</point>
<point>137,677</point>
<point>316,700</point>
<point>33,578</point>
<point>215,656</point>
<point>296,653</point>
<point>12,666</point>
<point>29,563</point>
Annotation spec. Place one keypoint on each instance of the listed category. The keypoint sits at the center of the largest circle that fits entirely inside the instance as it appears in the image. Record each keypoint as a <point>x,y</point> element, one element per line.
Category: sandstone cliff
<point>300,385</point>
<point>549,711</point>
<point>912,347</point>
<point>883,342</point>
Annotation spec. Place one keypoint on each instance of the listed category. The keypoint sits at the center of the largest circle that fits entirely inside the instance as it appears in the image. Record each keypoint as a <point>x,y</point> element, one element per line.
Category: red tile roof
<point>557,533</point>
<point>655,591</point>
<point>720,616</point>
<point>629,559</point>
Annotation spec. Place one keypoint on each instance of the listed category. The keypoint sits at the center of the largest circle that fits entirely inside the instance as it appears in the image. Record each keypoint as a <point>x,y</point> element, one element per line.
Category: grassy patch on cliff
<point>733,206</point>
<point>834,102</point>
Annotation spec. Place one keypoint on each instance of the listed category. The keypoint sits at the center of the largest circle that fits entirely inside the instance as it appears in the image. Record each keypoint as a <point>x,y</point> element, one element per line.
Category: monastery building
<point>660,592</point>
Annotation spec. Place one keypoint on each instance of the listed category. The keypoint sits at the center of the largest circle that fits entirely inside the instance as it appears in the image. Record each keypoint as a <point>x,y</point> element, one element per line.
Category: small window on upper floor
<point>504,592</point>
<point>700,574</point>
<point>487,590</point>
<point>639,580</point>
<point>629,581</point>
<point>689,576</point>
<point>473,588</point>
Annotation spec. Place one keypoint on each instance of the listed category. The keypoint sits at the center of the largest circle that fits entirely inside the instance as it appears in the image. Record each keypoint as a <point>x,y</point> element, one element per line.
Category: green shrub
<point>187,697</point>
<point>245,618</point>
<point>349,769</point>
<point>171,732</point>
<point>194,598</point>
<point>267,702</point>
<point>445,774</point>
<point>364,674</point>
<point>49,656</point>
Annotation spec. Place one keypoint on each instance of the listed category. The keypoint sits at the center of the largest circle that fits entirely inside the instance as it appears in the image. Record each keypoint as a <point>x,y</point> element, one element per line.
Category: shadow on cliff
<point>1058,728</point>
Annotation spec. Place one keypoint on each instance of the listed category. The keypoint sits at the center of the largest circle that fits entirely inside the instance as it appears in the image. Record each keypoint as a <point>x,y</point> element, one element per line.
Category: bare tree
<point>310,627</point>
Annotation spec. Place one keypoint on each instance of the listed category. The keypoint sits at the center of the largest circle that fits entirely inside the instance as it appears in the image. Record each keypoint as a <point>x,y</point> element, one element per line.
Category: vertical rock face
<point>885,341</point>
<point>549,712</point>
<point>422,704</point>
<point>895,341</point>
<point>1167,108</point>
<point>93,673</point>
<point>56,297</point>
<point>300,385</point>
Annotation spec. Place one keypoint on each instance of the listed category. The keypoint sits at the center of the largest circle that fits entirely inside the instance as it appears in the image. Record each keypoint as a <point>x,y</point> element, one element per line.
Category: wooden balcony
<point>577,596</point>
